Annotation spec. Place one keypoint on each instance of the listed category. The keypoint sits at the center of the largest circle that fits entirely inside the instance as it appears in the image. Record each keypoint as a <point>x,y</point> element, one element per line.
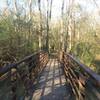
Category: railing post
<point>61,55</point>
<point>13,75</point>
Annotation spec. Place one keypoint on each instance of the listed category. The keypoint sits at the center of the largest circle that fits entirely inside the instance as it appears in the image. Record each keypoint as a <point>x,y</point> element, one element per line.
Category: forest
<point>27,26</point>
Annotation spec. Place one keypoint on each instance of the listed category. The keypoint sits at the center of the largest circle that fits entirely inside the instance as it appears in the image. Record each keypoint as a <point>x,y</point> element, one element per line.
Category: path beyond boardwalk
<point>52,84</point>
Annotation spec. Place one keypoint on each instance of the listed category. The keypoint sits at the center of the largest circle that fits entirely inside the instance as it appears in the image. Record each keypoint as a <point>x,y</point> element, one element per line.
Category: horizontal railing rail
<point>17,79</point>
<point>90,72</point>
<point>6,68</point>
<point>85,83</point>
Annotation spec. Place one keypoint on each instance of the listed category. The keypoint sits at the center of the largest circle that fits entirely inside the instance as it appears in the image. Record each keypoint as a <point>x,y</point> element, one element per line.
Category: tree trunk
<point>48,23</point>
<point>40,30</point>
<point>70,8</point>
<point>62,27</point>
<point>30,9</point>
<point>70,35</point>
<point>15,7</point>
<point>30,13</point>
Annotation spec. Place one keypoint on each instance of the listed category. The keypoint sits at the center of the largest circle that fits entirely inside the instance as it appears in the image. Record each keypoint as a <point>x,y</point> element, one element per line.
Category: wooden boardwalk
<point>51,83</point>
<point>27,80</point>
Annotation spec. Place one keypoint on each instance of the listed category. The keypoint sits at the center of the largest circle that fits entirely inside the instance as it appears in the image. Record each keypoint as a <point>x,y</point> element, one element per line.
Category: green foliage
<point>83,51</point>
<point>16,39</point>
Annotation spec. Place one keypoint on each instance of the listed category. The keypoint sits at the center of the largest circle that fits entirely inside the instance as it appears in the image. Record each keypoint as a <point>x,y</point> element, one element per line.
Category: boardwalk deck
<point>51,84</point>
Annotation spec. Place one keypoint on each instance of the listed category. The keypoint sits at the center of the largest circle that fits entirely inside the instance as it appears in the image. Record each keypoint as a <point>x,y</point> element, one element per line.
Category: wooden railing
<point>16,80</point>
<point>84,82</point>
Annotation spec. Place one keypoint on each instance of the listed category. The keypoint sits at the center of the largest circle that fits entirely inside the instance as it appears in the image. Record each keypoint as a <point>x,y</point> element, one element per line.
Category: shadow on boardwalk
<point>51,85</point>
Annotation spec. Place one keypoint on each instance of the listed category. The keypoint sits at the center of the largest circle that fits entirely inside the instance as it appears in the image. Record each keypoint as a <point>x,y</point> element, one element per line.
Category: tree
<point>49,12</point>
<point>40,30</point>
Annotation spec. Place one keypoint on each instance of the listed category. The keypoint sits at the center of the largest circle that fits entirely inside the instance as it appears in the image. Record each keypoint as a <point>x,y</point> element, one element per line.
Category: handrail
<point>6,68</point>
<point>95,76</point>
<point>25,71</point>
<point>85,82</point>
